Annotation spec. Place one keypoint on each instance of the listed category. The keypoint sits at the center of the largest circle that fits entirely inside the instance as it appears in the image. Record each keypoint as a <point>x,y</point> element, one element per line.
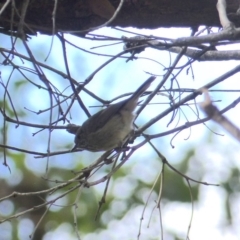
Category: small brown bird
<point>108,128</point>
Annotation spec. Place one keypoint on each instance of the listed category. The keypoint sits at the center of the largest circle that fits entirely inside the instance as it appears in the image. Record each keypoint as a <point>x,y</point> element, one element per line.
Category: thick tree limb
<point>77,15</point>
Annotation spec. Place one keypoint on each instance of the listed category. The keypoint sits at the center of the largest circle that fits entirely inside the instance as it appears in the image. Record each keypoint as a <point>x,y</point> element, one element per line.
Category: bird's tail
<point>132,101</point>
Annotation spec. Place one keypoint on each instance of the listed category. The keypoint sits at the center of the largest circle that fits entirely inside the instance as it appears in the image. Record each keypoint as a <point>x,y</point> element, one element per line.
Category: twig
<point>213,112</point>
<point>103,25</point>
<point>4,6</point>
<point>222,12</point>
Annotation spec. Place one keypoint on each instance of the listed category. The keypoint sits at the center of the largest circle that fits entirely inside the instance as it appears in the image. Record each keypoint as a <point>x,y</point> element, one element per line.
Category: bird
<point>109,128</point>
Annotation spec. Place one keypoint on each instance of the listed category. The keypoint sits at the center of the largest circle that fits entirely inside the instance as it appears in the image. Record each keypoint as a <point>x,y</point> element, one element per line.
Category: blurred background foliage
<point>205,157</point>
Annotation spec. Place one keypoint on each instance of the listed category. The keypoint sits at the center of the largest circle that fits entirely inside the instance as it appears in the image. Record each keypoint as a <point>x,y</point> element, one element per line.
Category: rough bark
<point>72,15</point>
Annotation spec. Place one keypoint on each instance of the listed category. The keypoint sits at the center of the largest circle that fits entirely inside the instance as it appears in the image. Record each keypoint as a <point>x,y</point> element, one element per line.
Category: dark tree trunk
<point>73,15</point>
